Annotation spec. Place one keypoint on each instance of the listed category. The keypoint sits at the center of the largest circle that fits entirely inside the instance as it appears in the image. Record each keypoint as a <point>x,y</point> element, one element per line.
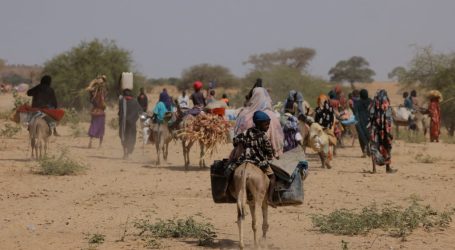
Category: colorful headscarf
<point>380,128</point>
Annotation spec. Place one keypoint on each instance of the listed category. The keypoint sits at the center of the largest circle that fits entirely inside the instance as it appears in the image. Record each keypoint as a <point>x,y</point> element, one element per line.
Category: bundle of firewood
<point>208,129</point>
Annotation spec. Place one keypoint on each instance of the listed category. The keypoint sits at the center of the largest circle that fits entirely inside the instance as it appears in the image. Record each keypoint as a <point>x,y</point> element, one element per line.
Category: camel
<point>39,137</point>
<point>250,185</point>
<point>161,136</point>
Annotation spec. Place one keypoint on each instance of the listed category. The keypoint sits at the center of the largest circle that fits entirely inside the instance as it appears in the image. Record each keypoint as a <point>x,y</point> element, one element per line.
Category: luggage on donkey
<point>220,180</point>
<point>290,171</point>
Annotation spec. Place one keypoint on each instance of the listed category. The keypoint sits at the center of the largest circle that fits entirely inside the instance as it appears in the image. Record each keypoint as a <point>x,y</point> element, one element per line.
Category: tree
<point>207,73</point>
<point>398,73</point>
<point>279,80</point>
<point>355,69</point>
<point>297,58</point>
<point>2,64</point>
<point>71,71</point>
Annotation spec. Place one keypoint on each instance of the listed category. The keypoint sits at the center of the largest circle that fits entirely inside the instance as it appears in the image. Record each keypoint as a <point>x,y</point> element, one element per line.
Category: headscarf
<point>260,116</point>
<point>166,99</point>
<point>260,100</point>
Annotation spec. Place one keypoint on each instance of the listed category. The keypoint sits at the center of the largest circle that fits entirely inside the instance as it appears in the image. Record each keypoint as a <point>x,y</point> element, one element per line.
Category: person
<point>183,100</point>
<point>166,99</point>
<point>261,101</point>
<point>129,110</point>
<point>257,84</point>
<point>225,99</point>
<point>380,129</point>
<point>294,105</point>
<point>414,101</point>
<point>324,114</point>
<point>361,111</point>
<point>143,100</point>
<point>407,101</point>
<point>211,96</point>
<point>43,96</point>
<point>256,148</point>
<point>98,92</point>
<point>197,97</point>
<point>434,109</point>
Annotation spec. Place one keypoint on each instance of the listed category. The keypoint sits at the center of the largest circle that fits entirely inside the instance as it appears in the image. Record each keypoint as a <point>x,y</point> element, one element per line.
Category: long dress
<point>435,123</point>
<point>380,128</point>
<point>361,108</point>
<point>98,117</point>
<point>129,110</point>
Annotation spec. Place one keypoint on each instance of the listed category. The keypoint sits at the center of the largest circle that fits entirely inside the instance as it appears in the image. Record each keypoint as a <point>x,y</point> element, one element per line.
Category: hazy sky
<point>168,36</point>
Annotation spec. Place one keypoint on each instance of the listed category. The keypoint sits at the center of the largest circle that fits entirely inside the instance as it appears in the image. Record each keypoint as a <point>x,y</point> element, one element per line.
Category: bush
<point>62,165</point>
<point>9,130</point>
<point>71,116</point>
<point>77,130</point>
<point>398,222</point>
<point>176,228</point>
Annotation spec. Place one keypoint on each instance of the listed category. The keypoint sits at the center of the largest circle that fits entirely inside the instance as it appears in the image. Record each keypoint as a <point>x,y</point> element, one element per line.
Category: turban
<point>260,116</point>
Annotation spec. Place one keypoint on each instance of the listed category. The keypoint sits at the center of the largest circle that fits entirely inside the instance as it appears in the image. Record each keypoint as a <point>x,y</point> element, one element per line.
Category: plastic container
<point>127,80</point>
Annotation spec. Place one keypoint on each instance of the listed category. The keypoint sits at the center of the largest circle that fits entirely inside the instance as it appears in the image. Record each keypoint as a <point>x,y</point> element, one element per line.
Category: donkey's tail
<point>241,199</point>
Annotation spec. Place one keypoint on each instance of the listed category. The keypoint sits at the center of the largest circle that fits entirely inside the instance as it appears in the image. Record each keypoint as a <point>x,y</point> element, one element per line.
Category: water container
<point>127,80</point>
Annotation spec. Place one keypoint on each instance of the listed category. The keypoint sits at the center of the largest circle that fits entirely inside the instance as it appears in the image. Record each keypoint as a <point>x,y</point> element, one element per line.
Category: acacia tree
<point>207,73</point>
<point>297,58</point>
<point>355,69</point>
<point>71,71</point>
<point>398,73</point>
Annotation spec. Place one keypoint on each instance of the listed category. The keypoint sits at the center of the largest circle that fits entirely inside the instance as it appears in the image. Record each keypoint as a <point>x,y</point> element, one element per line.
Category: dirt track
<point>47,212</point>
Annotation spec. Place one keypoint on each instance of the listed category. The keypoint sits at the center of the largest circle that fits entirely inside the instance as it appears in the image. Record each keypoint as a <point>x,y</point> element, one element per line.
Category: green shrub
<point>9,130</point>
<point>204,232</point>
<point>61,165</point>
<point>19,100</point>
<point>96,238</point>
<point>71,117</point>
<point>392,219</point>
<point>77,130</point>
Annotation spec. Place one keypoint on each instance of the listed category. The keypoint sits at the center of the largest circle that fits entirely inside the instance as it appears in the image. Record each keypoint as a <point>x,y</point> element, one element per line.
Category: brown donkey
<point>39,137</point>
<point>250,186</point>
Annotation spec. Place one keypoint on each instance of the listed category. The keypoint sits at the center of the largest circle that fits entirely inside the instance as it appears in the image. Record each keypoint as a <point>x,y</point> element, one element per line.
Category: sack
<point>290,171</point>
<point>402,114</point>
<point>219,182</point>
<point>127,80</point>
<point>349,121</point>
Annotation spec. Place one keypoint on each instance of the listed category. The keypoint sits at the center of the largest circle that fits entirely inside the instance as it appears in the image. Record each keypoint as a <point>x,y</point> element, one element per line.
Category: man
<point>197,97</point>
<point>43,96</point>
<point>256,148</point>
<point>184,100</point>
<point>143,100</point>
<point>129,110</point>
<point>407,102</point>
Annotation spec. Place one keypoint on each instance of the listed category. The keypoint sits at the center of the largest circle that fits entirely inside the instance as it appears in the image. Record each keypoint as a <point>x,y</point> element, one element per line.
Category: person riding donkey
<point>254,146</point>
<point>43,96</point>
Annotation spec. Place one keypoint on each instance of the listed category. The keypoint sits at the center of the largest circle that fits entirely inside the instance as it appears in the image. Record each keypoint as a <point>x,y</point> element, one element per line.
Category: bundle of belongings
<point>26,115</point>
<point>290,171</point>
<point>403,114</point>
<point>291,131</point>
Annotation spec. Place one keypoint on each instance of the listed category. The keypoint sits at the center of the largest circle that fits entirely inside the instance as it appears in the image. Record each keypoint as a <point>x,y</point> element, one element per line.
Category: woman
<point>166,99</point>
<point>325,116</point>
<point>260,101</point>
<point>97,90</point>
<point>435,114</point>
<point>380,128</point>
<point>361,111</point>
<point>129,110</point>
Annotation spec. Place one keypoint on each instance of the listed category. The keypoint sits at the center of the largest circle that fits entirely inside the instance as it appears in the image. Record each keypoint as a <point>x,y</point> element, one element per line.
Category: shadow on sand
<point>177,168</point>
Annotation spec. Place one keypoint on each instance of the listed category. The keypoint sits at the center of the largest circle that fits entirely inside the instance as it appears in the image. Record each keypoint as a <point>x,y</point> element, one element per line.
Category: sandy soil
<point>50,212</point>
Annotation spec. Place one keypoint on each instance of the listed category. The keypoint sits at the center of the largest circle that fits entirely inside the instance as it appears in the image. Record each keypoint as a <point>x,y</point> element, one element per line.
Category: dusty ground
<point>49,212</point>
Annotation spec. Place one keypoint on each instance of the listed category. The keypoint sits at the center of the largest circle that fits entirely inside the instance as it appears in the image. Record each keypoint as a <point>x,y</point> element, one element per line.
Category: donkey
<point>39,137</point>
<point>161,136</point>
<point>250,185</point>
